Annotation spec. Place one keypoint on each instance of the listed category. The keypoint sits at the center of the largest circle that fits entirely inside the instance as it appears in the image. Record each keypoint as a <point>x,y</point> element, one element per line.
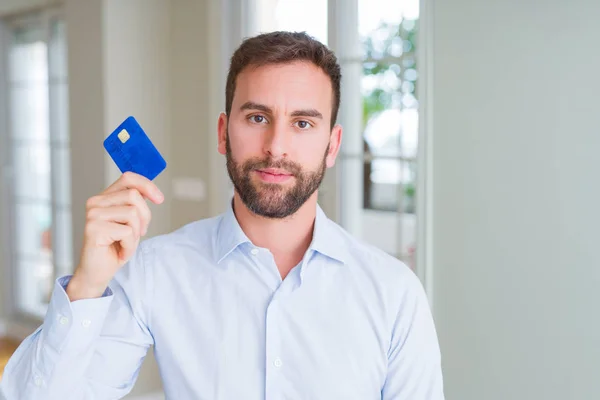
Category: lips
<point>273,175</point>
<point>275,172</point>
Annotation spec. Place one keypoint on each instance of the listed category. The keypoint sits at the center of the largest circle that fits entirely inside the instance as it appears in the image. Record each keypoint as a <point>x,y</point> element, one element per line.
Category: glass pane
<point>59,112</point>
<point>32,172</point>
<point>29,112</point>
<point>62,176</point>
<point>292,15</point>
<point>381,114</point>
<point>387,224</point>
<point>28,60</point>
<point>33,226</point>
<point>390,116</point>
<point>409,187</point>
<point>391,232</point>
<point>388,30</point>
<point>387,27</point>
<point>64,247</point>
<point>58,50</point>
<point>390,182</point>
<point>383,184</point>
<point>39,149</point>
<point>34,279</point>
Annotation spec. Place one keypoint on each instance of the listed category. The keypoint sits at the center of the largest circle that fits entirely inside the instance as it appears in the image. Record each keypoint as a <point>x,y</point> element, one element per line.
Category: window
<point>38,158</point>
<point>375,41</point>
<point>390,116</point>
<point>292,15</point>
<point>387,30</point>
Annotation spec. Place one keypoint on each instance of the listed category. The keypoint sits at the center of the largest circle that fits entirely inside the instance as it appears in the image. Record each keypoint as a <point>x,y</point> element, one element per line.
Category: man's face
<point>277,141</point>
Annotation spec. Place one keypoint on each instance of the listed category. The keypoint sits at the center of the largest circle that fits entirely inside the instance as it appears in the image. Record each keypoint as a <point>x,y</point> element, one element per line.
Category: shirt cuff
<point>74,326</point>
<point>64,282</point>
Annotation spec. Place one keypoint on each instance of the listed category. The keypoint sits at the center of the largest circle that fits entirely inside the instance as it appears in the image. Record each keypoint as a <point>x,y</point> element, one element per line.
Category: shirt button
<point>254,252</point>
<point>37,380</point>
<point>63,320</point>
<point>278,363</point>
<point>85,323</point>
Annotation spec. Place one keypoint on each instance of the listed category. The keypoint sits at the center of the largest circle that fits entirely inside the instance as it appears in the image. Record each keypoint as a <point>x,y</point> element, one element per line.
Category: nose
<point>277,141</point>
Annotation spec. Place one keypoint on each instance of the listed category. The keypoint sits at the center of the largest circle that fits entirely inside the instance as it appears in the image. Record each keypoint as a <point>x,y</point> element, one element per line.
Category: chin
<point>262,185</point>
<point>272,190</point>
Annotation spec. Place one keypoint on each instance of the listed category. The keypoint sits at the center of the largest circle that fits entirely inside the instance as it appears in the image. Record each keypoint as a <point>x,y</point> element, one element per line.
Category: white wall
<point>137,65</point>
<point>515,198</point>
<point>191,124</point>
<point>87,127</point>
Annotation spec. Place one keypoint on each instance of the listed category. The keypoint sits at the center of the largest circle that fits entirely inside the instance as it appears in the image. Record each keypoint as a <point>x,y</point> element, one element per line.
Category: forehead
<point>288,86</point>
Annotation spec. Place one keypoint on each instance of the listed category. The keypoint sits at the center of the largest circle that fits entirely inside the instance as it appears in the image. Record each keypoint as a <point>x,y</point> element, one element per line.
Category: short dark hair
<point>280,48</point>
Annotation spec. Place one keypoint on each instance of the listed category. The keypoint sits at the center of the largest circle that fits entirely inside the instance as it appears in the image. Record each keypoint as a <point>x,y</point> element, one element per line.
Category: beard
<point>273,200</point>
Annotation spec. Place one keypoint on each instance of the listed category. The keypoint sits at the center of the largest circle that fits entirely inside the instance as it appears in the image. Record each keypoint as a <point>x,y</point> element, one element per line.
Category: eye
<point>257,119</point>
<point>303,124</point>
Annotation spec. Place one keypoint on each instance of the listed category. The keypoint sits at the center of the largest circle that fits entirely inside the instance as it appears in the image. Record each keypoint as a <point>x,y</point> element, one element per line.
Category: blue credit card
<point>131,149</point>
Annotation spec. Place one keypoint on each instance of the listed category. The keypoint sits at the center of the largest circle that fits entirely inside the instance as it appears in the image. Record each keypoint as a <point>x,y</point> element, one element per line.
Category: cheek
<point>309,155</point>
<point>244,145</point>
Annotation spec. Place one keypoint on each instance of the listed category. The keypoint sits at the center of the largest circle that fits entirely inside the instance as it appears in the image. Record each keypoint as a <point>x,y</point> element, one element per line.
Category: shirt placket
<point>274,362</point>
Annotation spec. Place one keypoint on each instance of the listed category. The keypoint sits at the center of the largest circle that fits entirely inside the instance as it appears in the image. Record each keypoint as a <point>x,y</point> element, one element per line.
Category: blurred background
<point>470,153</point>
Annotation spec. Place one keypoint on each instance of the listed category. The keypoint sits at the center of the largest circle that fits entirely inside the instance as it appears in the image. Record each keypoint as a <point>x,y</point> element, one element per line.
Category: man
<point>270,300</point>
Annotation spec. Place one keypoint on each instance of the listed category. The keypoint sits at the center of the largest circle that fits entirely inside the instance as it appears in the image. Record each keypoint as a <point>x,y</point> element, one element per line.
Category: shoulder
<point>198,233</point>
<point>190,245</point>
<point>386,272</point>
<point>169,259</point>
<point>364,255</point>
<point>386,281</point>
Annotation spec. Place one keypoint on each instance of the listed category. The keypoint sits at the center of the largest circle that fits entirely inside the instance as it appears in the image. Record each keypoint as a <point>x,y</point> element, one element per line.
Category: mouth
<point>273,175</point>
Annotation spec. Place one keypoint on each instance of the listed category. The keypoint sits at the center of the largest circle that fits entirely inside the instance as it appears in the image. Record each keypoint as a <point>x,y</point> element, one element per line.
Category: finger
<point>128,245</point>
<point>121,198</point>
<point>131,180</point>
<point>128,215</point>
<point>105,233</point>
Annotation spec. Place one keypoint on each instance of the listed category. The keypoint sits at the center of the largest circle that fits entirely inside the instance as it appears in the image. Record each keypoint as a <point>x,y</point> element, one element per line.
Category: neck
<point>286,238</point>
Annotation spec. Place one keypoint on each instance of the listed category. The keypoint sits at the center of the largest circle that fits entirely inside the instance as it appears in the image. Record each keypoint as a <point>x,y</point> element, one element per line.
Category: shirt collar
<point>327,238</point>
<point>229,234</point>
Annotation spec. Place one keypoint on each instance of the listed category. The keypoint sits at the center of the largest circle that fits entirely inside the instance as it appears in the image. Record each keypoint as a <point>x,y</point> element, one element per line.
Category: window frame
<point>20,322</point>
<point>6,172</point>
<point>344,39</point>
<point>424,266</point>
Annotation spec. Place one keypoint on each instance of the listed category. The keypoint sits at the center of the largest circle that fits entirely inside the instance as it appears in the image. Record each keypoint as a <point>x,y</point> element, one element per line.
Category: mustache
<point>288,166</point>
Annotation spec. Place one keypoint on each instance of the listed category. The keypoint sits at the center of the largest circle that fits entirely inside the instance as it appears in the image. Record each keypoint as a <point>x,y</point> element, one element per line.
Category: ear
<point>222,132</point>
<point>335,142</point>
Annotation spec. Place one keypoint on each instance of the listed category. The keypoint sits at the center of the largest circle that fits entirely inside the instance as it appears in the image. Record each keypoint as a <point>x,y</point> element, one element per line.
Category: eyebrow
<point>250,105</point>
<point>309,112</point>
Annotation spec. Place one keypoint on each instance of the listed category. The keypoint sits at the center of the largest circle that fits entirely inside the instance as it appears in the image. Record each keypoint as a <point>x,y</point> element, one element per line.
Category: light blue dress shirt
<point>348,322</point>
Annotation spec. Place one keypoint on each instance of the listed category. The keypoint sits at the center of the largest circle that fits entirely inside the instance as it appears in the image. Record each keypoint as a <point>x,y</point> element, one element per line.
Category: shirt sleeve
<point>86,349</point>
<point>414,360</point>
